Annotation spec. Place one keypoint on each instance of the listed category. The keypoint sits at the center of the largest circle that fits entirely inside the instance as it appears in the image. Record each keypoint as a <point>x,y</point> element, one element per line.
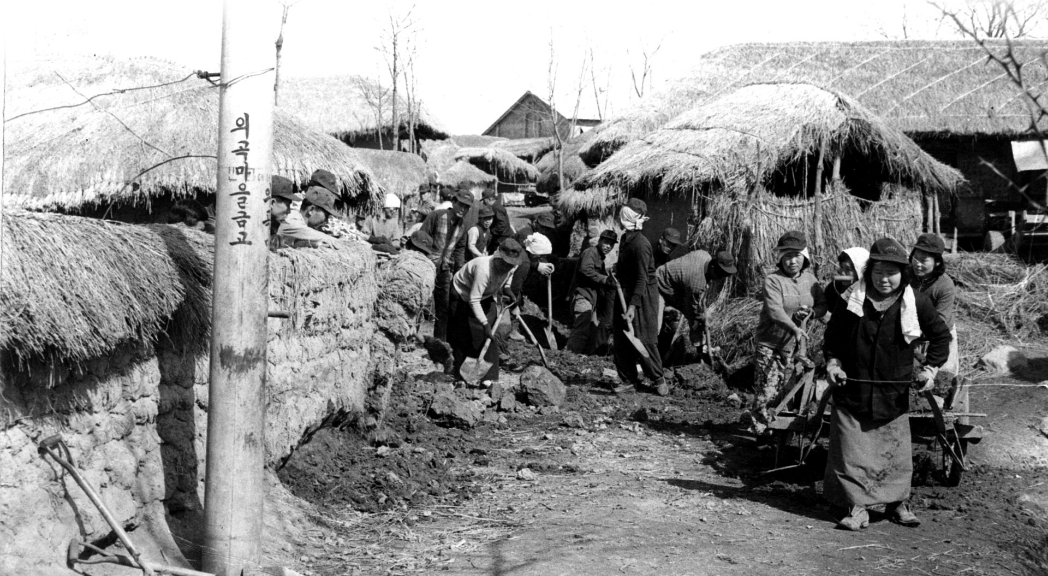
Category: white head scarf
<point>391,201</point>
<point>538,244</point>
<point>858,257</point>
<point>780,252</point>
<point>630,219</point>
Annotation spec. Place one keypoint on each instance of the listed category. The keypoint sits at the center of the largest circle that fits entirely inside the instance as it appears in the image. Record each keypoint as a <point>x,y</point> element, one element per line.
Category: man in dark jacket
<point>682,286</point>
<point>500,225</point>
<point>447,229</point>
<point>669,247</point>
<point>636,277</point>
<point>593,292</point>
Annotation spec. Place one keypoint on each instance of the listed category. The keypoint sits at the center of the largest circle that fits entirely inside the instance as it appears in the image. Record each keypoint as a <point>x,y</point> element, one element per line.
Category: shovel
<point>633,340</point>
<point>473,369</point>
<point>538,345</point>
<point>550,337</point>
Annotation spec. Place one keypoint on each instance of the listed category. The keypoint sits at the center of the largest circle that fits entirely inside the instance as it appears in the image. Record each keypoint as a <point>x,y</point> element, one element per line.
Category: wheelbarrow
<point>56,448</point>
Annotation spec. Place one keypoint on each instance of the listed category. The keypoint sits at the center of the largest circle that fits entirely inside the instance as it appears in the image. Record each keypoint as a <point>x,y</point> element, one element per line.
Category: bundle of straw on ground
<point>407,286</point>
<point>499,163</point>
<point>150,129</point>
<point>1000,300</point>
<point>76,288</point>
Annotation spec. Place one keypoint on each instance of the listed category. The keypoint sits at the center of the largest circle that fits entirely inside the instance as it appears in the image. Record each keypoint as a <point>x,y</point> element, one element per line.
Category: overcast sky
<point>475,58</point>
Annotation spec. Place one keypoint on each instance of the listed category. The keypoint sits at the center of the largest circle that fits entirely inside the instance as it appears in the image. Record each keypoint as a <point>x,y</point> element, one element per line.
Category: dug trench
<point>630,484</point>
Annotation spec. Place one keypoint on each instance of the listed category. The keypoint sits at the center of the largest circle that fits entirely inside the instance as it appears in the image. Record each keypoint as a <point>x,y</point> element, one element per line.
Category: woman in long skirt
<point>869,347</point>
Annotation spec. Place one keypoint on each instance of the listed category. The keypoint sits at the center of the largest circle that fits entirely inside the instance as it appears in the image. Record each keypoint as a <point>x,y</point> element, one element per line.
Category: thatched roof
<point>498,162</point>
<point>468,140</point>
<point>398,172</point>
<point>549,177</point>
<point>130,284</point>
<point>742,139</point>
<point>339,105</point>
<point>130,145</point>
<point>463,173</point>
<point>527,149</point>
<point>919,87</point>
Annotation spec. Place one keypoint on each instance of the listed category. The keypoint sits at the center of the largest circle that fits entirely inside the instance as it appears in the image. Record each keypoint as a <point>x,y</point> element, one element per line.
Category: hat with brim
<point>423,241</point>
<point>930,243</point>
<point>672,236</point>
<point>322,198</point>
<point>608,236</point>
<point>545,220</point>
<point>464,197</point>
<point>889,250</point>
<point>485,212</point>
<point>792,241</point>
<point>725,262</point>
<point>510,251</point>
<point>325,180</point>
<point>281,187</point>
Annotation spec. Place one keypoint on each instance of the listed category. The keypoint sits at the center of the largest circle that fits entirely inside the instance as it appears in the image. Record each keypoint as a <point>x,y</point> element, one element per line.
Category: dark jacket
<point>500,226</point>
<point>636,268</point>
<point>591,277</point>
<point>872,349</point>
<point>941,292</point>
<point>441,225</point>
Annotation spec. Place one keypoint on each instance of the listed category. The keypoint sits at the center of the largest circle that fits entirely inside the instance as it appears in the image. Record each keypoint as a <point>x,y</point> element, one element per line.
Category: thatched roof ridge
<point>549,177</point>
<point>919,87</point>
<point>463,173</point>
<point>401,173</point>
<point>527,149</point>
<point>127,146</point>
<point>469,140</point>
<point>498,162</point>
<point>339,105</point>
<point>75,288</point>
<point>742,138</point>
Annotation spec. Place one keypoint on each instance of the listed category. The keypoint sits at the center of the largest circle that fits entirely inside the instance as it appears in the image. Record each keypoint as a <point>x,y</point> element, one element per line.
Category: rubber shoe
<point>902,515</point>
<point>857,519</point>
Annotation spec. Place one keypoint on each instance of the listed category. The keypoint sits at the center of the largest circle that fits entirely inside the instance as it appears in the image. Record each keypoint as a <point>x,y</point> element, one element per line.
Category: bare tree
<point>600,94</point>
<point>391,45</point>
<point>285,6</point>
<point>375,96</point>
<point>554,117</point>
<point>995,19</point>
<point>642,83</point>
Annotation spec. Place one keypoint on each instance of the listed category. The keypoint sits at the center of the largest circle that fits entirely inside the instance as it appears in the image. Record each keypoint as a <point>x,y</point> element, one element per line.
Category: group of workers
<point>888,308</point>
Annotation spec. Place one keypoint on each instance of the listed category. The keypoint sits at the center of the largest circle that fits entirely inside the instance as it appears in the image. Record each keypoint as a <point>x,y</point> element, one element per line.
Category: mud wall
<point>135,422</point>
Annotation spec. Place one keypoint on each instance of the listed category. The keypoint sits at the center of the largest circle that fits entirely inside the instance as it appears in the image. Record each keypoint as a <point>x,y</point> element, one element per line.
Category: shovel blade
<point>638,345</point>
<point>473,369</point>
<point>551,339</point>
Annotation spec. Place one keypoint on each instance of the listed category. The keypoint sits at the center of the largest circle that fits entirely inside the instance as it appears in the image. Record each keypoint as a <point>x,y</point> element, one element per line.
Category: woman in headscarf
<point>930,278</point>
<point>850,265</point>
<point>869,349</point>
<point>790,294</point>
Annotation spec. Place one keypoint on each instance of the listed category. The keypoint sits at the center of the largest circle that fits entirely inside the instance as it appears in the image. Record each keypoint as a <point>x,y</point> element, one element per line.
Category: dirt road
<point>631,484</point>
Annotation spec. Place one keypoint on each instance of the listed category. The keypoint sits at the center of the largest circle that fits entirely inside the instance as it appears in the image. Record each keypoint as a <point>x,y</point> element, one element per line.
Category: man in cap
<point>480,234</point>
<point>669,246</point>
<point>417,216</point>
<point>593,298</point>
<point>447,228</point>
<point>476,287</point>
<point>682,286</point>
<point>636,278</point>
<point>422,243</point>
<point>384,231</point>
<point>293,228</point>
<point>322,204</point>
<point>500,224</point>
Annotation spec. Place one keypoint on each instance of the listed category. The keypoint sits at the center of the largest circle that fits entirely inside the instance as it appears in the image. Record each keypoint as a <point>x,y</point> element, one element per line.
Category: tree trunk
<point>817,215</point>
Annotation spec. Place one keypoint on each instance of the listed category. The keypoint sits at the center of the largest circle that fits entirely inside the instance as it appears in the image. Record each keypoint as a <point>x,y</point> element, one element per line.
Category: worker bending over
<point>682,286</point>
<point>593,298</point>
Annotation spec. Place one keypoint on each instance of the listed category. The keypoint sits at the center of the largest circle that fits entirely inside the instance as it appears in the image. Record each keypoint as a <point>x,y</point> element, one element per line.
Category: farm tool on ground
<point>57,449</point>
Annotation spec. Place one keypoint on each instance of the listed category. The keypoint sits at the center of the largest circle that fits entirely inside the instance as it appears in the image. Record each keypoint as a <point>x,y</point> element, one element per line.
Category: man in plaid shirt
<point>448,230</point>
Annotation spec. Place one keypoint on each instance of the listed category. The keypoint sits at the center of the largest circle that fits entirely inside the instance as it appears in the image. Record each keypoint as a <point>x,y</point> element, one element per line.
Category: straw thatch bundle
<point>918,87</point>
<point>465,175</point>
<point>474,140</point>
<point>76,288</point>
<point>527,149</point>
<point>150,129</point>
<point>345,107</point>
<point>746,137</point>
<point>407,286</point>
<point>499,163</point>
<point>549,176</point>
<point>749,227</point>
<point>398,172</point>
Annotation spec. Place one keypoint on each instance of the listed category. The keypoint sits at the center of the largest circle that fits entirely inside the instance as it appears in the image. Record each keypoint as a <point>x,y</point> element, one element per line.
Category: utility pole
<point>234,483</point>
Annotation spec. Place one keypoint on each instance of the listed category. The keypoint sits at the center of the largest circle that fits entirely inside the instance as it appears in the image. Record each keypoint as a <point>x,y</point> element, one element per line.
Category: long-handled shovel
<point>538,345</point>
<point>550,337</point>
<point>473,369</point>
<point>633,340</point>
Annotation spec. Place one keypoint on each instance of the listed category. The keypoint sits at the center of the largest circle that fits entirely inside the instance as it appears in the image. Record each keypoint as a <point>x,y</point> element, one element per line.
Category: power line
<point>88,100</point>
